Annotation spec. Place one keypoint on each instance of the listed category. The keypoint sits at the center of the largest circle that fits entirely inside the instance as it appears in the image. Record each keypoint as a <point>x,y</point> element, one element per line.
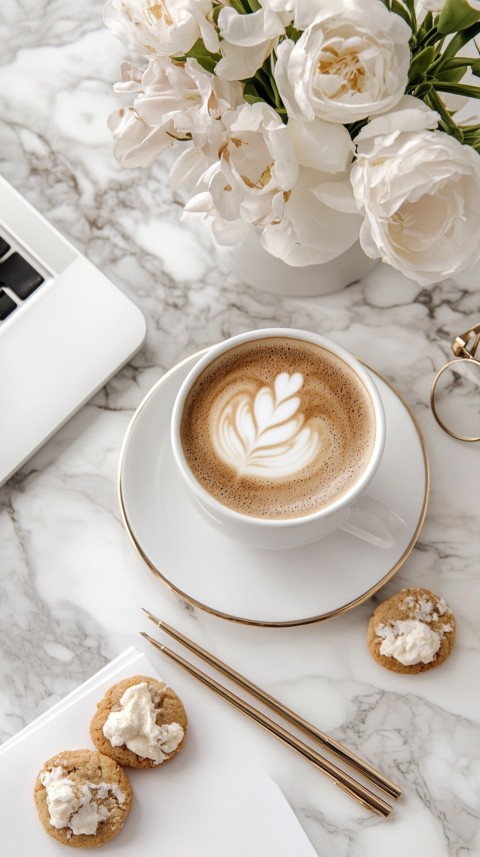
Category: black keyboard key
<point>4,247</point>
<point>6,305</point>
<point>19,276</point>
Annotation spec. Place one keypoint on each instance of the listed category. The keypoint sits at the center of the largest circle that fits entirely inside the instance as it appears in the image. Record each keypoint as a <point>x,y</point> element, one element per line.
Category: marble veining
<point>71,585</point>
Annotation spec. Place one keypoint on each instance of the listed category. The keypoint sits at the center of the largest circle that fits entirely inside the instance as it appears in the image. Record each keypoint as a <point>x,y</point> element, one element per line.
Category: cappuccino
<point>278,428</point>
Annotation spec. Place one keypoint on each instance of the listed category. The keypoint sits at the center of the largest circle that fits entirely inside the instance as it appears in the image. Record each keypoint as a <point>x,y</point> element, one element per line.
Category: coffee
<point>277,428</point>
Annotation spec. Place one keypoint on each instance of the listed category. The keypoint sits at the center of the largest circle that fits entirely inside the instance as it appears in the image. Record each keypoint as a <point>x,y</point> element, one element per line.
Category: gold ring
<point>440,422</point>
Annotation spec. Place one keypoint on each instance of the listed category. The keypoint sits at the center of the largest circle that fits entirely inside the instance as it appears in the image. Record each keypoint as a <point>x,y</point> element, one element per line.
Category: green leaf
<point>399,9</point>
<point>206,59</point>
<point>413,16</point>
<point>420,64</point>
<point>427,25</point>
<point>457,88</point>
<point>292,33</point>
<point>251,98</point>
<point>472,139</point>
<point>453,75</point>
<point>238,6</point>
<point>251,89</point>
<point>458,62</point>
<point>456,15</point>
<point>457,43</point>
<point>420,91</point>
<point>447,123</point>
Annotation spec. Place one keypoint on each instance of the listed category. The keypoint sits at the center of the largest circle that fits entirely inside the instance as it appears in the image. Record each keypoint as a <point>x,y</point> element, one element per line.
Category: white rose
<point>349,63</point>
<point>247,40</point>
<point>161,27</point>
<point>255,171</point>
<point>420,192</point>
<point>173,101</point>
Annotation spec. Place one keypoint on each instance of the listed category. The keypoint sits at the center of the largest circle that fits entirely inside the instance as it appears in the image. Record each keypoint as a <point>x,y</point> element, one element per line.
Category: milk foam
<point>277,428</point>
<point>265,435</point>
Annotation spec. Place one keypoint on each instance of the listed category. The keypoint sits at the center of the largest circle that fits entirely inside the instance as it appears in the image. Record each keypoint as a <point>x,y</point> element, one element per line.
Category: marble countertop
<point>71,583</point>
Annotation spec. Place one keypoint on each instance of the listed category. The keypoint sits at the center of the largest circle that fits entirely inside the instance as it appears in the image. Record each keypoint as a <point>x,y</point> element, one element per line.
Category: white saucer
<point>246,584</point>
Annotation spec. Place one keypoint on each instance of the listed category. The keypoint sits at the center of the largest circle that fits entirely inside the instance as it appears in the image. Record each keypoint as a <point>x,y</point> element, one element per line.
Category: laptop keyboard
<point>18,279</point>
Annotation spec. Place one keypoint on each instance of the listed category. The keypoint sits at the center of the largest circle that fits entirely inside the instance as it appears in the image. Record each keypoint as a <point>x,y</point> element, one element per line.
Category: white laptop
<point>65,329</point>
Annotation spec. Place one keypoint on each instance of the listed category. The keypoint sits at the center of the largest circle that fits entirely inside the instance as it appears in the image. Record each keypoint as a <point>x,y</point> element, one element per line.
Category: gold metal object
<point>288,623</point>
<point>464,347</point>
<point>461,342</point>
<point>341,779</point>
<point>335,747</point>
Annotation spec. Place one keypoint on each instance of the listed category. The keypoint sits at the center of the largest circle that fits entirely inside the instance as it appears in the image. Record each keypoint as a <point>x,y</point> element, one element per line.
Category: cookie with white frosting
<point>411,632</point>
<point>82,798</point>
<point>140,722</point>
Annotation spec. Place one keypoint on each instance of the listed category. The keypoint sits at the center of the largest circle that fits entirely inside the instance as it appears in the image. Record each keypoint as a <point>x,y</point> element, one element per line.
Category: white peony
<point>174,101</point>
<point>350,62</point>
<point>419,190</point>
<point>161,27</point>
<point>255,170</point>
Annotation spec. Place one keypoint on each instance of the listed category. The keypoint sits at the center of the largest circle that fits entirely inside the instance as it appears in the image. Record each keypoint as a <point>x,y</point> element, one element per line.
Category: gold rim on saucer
<point>287,623</point>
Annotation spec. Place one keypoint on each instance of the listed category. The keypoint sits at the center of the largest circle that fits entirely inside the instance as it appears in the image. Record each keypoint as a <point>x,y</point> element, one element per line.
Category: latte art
<point>277,427</point>
<point>265,435</point>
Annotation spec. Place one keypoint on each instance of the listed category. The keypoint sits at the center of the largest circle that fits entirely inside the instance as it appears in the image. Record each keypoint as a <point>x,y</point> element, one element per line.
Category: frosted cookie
<point>140,722</point>
<point>82,798</point>
<point>411,632</point>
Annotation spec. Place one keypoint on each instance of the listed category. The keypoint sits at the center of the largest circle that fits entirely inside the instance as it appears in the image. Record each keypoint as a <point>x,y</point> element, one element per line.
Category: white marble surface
<point>71,583</point>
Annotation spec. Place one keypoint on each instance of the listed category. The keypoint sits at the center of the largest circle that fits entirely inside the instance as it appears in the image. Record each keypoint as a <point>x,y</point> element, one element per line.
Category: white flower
<point>285,8</point>
<point>308,230</point>
<point>136,144</point>
<point>323,146</point>
<point>475,4</point>
<point>161,27</point>
<point>247,40</point>
<point>429,5</point>
<point>420,192</point>
<point>349,63</point>
<point>256,169</point>
<point>188,169</point>
<point>257,183</point>
<point>173,101</point>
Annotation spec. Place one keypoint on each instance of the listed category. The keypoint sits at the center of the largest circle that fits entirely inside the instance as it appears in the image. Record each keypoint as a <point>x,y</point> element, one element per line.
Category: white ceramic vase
<point>254,266</point>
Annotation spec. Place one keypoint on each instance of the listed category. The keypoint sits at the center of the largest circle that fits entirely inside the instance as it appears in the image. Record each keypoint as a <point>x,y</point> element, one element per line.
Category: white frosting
<point>423,608</point>
<point>265,434</point>
<point>134,726</point>
<point>409,641</point>
<point>76,805</point>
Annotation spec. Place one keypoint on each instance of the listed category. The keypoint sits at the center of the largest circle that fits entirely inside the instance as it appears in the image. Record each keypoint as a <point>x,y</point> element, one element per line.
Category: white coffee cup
<point>354,511</point>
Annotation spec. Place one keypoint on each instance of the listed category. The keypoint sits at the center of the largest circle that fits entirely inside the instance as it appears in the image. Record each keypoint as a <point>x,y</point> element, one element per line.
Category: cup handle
<point>375,523</point>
